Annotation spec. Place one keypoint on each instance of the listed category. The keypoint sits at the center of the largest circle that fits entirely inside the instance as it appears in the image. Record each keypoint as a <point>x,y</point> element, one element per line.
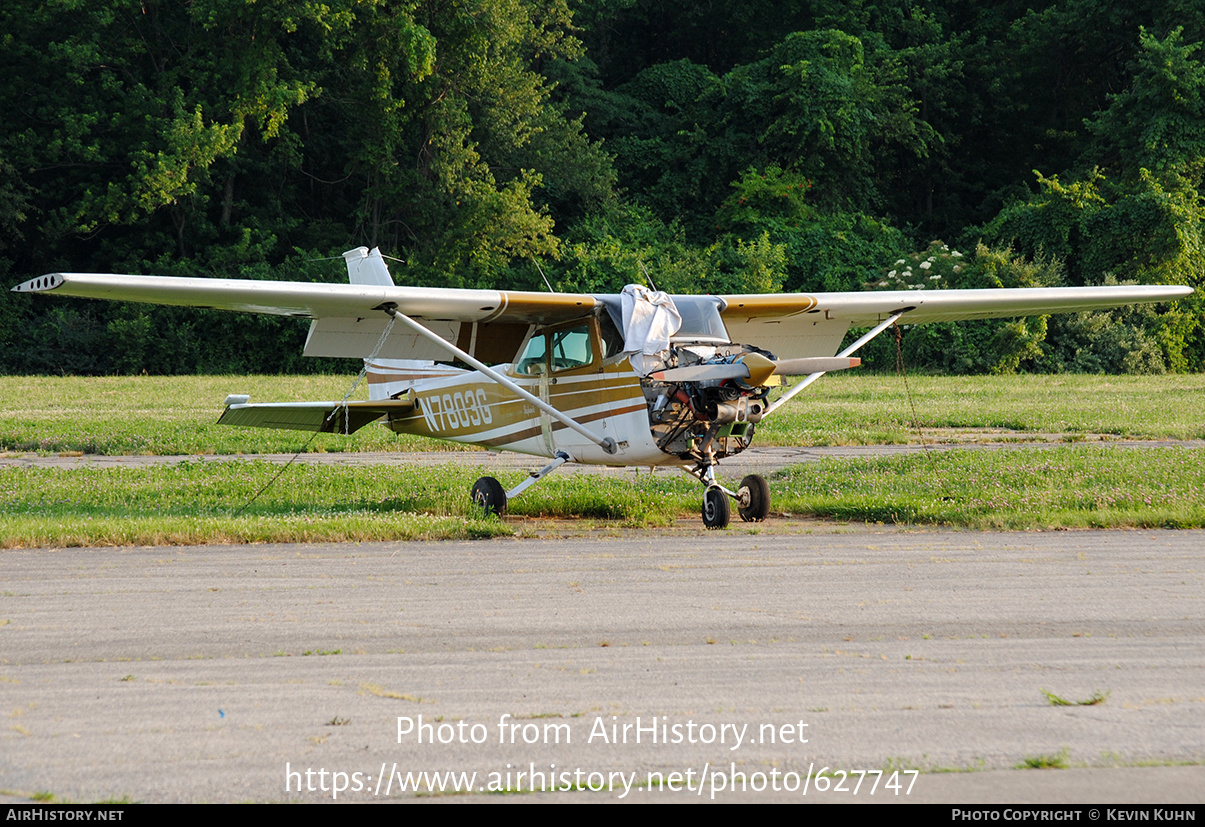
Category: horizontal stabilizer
<point>323,417</point>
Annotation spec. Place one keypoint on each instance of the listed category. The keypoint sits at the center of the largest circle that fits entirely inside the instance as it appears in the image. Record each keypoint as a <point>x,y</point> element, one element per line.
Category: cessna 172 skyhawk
<point>641,378</point>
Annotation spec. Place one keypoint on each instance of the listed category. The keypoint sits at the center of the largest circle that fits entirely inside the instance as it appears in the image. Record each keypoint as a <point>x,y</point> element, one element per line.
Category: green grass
<point>1094,699</point>
<point>1045,762</point>
<point>177,415</point>
<point>1063,487</point>
<point>196,502</point>
<point>199,502</point>
<point>865,409</point>
<point>162,415</point>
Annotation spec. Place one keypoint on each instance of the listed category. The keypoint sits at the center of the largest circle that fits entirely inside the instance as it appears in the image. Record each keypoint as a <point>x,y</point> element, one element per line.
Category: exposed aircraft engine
<point>706,398</point>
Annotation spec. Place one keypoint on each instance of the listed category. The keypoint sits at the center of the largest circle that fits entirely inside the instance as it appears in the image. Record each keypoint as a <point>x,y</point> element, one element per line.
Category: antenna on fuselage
<point>541,269</point>
<point>647,277</point>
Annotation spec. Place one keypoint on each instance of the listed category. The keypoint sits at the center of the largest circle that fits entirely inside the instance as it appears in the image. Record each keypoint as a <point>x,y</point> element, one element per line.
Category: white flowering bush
<point>987,346</point>
<point>935,268</point>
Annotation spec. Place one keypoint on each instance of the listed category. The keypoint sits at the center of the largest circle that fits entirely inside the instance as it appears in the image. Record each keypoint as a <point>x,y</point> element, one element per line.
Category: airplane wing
<point>346,318</point>
<point>800,325</point>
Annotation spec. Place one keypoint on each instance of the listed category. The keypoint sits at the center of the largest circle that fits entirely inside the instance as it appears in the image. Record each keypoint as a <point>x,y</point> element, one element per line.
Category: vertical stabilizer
<point>389,377</point>
<point>364,267</point>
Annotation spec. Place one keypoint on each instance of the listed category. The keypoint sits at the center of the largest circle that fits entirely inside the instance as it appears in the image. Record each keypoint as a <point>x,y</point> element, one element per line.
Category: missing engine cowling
<point>688,417</point>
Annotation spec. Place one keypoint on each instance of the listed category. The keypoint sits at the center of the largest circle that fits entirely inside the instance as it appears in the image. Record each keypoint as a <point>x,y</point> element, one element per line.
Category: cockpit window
<point>532,362</point>
<point>571,348</point>
<point>563,349</point>
<point>612,339</point>
<point>701,320</point>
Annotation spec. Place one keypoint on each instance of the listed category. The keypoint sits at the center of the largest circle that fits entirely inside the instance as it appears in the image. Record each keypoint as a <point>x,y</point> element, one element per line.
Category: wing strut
<point>812,377</point>
<point>606,443</point>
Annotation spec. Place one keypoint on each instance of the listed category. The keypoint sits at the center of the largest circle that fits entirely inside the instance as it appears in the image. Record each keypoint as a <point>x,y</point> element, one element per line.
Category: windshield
<point>701,320</point>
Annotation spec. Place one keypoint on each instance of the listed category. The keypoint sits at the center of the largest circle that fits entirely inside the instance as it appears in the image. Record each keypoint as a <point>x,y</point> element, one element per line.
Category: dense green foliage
<point>804,145</point>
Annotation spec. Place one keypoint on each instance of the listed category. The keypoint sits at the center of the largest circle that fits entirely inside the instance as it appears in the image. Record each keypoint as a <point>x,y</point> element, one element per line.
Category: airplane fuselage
<point>470,408</point>
<point>578,369</point>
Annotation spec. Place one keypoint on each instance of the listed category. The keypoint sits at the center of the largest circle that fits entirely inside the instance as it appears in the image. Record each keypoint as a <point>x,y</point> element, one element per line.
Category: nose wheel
<point>716,511</point>
<point>753,498</point>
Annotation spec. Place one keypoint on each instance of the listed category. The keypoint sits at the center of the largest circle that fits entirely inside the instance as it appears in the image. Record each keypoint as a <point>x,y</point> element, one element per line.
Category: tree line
<point>719,146</point>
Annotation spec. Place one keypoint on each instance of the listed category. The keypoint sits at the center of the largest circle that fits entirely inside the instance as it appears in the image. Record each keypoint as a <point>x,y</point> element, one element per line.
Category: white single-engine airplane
<point>641,378</point>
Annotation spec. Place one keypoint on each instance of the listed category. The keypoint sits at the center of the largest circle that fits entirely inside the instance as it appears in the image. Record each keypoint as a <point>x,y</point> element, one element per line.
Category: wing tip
<point>41,284</point>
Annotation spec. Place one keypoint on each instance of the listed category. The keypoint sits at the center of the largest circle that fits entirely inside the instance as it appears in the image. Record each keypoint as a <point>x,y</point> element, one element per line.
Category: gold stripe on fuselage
<point>532,433</point>
<point>376,376</point>
<point>475,410</point>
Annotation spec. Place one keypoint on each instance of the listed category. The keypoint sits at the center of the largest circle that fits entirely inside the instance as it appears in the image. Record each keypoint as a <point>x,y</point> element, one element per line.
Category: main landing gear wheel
<point>753,498</point>
<point>716,511</point>
<point>490,496</point>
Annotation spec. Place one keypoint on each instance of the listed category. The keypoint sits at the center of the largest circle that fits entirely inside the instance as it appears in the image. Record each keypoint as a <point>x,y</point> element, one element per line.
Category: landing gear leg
<point>490,496</point>
<point>752,498</point>
<point>716,510</point>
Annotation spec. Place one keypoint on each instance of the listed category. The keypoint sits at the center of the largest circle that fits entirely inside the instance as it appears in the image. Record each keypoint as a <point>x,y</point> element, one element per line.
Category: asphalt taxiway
<point>229,673</point>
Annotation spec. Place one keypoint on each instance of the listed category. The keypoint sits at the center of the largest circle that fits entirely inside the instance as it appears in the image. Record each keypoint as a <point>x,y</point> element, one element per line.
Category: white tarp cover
<point>649,320</point>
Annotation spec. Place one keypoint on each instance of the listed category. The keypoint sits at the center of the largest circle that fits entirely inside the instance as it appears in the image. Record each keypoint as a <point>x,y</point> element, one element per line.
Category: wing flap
<point>355,338</point>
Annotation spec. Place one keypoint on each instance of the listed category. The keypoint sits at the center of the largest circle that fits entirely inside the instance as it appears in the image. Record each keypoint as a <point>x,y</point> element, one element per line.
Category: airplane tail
<point>365,267</point>
<point>389,377</point>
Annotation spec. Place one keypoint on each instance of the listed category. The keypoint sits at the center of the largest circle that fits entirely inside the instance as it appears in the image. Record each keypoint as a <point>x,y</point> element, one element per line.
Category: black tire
<point>716,511</point>
<point>489,496</point>
<point>757,506</point>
